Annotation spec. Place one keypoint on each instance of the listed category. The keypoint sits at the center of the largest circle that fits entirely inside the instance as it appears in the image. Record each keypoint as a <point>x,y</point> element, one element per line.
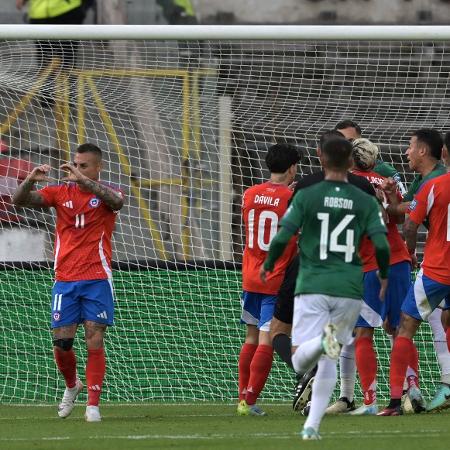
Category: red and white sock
<point>67,365</point>
<point>366,362</point>
<point>259,372</point>
<point>404,354</point>
<point>245,359</point>
<point>95,373</point>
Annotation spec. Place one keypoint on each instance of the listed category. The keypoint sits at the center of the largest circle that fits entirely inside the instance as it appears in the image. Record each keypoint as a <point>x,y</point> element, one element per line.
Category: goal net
<point>185,124</point>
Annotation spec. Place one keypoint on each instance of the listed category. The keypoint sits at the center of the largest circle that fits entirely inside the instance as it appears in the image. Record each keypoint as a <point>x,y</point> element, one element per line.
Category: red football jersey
<point>399,251</point>
<point>263,206</point>
<point>433,201</point>
<point>84,226</point>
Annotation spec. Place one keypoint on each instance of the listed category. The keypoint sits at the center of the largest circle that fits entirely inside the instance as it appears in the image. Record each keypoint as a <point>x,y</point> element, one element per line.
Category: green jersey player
<point>333,216</point>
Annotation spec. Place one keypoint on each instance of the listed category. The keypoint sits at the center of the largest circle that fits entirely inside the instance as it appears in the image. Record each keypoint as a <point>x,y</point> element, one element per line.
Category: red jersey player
<point>262,208</point>
<point>374,312</point>
<point>432,286</point>
<point>86,210</point>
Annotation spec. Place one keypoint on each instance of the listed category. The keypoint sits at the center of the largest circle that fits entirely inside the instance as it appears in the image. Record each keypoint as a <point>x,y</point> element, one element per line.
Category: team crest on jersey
<point>56,316</point>
<point>94,202</point>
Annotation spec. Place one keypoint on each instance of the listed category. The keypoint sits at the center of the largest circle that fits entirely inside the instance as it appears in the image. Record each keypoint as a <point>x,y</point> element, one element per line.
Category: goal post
<point>185,115</point>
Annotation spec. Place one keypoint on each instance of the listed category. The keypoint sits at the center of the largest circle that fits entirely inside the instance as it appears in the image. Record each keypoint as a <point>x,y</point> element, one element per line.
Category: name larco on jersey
<point>266,200</point>
<point>338,202</point>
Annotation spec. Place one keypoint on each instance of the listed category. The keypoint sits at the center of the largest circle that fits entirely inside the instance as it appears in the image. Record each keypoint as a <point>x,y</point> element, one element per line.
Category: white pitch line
<point>343,435</point>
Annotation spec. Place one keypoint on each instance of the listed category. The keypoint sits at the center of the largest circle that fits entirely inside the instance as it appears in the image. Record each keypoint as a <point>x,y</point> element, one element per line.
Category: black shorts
<point>284,307</point>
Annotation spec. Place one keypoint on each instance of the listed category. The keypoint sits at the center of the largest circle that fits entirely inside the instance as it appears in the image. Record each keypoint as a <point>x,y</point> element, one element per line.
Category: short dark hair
<point>447,140</point>
<point>347,123</point>
<point>337,151</point>
<point>89,148</point>
<point>282,156</point>
<point>329,134</point>
<point>432,139</point>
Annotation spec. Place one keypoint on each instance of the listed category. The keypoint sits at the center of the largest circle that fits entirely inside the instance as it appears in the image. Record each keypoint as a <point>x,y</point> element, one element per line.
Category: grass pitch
<point>211,426</point>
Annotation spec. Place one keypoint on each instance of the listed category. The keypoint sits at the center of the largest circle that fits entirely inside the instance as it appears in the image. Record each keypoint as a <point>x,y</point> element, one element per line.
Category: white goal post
<point>185,115</point>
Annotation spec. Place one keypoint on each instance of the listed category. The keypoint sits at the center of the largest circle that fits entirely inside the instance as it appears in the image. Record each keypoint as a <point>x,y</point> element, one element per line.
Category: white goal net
<point>185,125</point>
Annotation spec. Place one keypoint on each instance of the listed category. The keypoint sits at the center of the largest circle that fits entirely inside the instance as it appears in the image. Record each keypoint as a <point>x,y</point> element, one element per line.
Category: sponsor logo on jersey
<point>56,316</point>
<point>68,204</point>
<point>94,202</point>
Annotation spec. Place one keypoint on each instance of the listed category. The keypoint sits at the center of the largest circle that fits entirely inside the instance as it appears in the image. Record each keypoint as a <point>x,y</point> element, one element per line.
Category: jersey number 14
<point>329,240</point>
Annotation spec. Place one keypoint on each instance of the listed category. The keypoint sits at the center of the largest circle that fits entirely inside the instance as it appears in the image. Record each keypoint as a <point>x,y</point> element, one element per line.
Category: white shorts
<point>313,311</point>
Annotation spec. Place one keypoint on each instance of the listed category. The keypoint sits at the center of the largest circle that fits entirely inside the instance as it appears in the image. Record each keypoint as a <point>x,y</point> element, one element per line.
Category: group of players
<point>307,306</point>
<point>304,304</point>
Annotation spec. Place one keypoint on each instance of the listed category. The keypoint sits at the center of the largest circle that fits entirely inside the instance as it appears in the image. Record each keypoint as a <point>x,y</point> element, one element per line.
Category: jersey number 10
<point>329,241</point>
<point>263,217</point>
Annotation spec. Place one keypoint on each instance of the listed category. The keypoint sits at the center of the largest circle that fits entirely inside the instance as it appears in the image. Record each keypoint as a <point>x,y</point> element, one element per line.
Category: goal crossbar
<point>228,32</point>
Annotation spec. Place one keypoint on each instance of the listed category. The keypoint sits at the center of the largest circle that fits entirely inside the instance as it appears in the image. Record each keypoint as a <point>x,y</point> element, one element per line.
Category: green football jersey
<point>438,170</point>
<point>333,217</point>
<point>386,170</point>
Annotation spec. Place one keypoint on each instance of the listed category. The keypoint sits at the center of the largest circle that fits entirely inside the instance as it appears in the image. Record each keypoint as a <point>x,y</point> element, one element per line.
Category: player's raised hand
<point>73,175</point>
<point>389,186</point>
<point>39,173</point>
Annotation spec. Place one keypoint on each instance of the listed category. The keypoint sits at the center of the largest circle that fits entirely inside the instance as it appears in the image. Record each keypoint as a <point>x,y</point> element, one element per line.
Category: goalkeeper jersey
<point>333,217</point>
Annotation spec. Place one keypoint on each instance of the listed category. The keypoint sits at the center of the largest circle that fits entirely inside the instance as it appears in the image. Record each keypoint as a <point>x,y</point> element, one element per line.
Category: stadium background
<point>177,336</point>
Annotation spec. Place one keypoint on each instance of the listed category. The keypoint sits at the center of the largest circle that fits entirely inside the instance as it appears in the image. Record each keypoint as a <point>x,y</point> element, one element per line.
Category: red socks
<point>95,372</point>
<point>245,359</point>
<point>404,354</point>
<point>259,371</point>
<point>366,362</point>
<point>67,365</point>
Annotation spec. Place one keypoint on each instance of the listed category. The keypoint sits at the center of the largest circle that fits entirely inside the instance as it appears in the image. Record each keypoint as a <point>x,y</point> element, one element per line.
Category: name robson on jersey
<point>338,202</point>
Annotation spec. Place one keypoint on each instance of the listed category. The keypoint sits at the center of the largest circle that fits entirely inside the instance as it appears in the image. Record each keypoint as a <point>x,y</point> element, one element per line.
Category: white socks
<point>440,344</point>
<point>323,386</point>
<point>347,368</point>
<point>307,355</point>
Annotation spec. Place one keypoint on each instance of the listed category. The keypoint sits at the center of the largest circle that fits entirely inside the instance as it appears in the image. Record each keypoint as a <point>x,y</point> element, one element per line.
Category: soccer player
<point>263,206</point>
<point>347,366</point>
<point>333,216</point>
<point>351,130</point>
<point>281,324</point>
<point>431,287</point>
<point>424,153</point>
<point>86,210</point>
<point>374,312</point>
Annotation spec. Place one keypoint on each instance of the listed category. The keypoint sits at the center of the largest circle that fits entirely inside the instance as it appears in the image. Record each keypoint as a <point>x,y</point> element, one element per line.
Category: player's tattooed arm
<point>24,196</point>
<point>109,196</point>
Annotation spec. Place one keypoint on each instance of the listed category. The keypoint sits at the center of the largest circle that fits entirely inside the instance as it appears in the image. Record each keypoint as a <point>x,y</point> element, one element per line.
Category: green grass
<point>210,426</point>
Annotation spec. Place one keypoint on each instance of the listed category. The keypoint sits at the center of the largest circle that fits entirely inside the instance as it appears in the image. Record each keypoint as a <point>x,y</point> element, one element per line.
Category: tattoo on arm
<point>410,232</point>
<point>25,197</point>
<point>111,197</point>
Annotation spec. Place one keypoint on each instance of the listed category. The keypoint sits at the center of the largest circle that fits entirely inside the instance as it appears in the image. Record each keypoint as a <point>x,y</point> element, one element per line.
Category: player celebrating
<point>333,216</point>
<point>375,312</point>
<point>86,210</point>
<point>432,285</point>
<point>263,206</point>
